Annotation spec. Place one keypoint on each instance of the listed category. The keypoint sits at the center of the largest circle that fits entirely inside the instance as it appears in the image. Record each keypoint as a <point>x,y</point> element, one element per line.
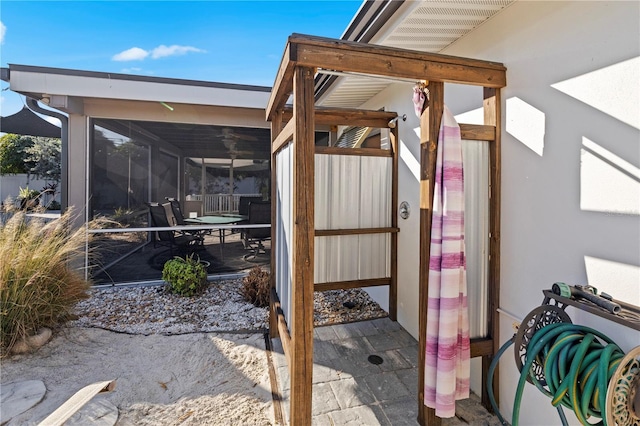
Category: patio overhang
<point>423,25</point>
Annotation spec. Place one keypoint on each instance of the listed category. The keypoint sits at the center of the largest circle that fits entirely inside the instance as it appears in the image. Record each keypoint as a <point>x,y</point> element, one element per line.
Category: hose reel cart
<point>577,367</point>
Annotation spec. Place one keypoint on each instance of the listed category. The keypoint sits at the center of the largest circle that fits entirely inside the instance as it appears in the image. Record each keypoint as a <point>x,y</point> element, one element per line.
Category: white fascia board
<point>82,86</point>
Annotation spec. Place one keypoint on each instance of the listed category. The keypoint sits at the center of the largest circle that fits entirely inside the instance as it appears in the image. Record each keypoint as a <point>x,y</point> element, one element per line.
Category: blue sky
<point>223,41</point>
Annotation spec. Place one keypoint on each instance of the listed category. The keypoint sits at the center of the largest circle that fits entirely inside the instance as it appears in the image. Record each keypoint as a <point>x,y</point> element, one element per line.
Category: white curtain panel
<point>352,192</point>
<point>284,228</point>
<point>475,157</point>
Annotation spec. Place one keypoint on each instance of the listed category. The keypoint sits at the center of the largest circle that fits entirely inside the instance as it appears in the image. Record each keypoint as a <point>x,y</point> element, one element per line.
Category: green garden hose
<point>577,369</point>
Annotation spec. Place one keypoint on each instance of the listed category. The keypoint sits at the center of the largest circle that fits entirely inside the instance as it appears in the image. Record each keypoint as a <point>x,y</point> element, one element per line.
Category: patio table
<point>224,219</point>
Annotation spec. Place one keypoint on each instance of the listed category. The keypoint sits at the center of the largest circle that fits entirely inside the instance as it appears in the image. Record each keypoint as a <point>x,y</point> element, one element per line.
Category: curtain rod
<point>370,76</point>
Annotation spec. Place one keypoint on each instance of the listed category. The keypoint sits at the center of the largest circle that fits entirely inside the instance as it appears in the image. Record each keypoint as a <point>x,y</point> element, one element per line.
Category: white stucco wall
<point>10,186</point>
<point>571,152</point>
<point>570,164</point>
<point>398,98</point>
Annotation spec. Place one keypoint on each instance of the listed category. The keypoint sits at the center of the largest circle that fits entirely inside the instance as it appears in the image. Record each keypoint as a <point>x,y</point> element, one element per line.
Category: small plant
<point>256,287</point>
<point>54,205</point>
<point>186,277</point>
<point>39,280</point>
<point>123,216</point>
<point>29,198</point>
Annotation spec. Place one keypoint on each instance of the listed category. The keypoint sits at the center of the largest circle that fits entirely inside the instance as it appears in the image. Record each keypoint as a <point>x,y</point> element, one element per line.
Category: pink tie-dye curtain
<point>447,349</point>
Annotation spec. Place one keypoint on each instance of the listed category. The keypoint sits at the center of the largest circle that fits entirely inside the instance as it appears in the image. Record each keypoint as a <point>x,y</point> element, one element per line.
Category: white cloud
<point>133,54</point>
<point>3,30</point>
<point>163,51</point>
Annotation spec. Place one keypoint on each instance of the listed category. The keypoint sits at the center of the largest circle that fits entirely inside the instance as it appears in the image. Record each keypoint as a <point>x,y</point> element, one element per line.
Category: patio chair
<point>174,212</point>
<point>243,210</point>
<point>172,239</point>
<point>243,204</point>
<point>175,216</point>
<point>253,238</point>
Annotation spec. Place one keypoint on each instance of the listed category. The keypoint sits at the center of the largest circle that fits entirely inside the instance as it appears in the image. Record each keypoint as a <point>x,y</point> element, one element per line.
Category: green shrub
<point>256,287</point>
<point>186,277</point>
<point>54,205</point>
<point>39,283</point>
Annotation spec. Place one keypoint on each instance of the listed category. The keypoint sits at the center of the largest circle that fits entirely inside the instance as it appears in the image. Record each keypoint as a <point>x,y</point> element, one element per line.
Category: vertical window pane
<point>120,178</point>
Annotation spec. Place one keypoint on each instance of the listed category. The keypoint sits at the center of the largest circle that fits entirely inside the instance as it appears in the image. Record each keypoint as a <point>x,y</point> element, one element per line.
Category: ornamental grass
<point>41,275</point>
<point>256,287</point>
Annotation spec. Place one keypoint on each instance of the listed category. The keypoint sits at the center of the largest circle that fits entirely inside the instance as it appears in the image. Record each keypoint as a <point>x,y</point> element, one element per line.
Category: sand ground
<point>189,379</point>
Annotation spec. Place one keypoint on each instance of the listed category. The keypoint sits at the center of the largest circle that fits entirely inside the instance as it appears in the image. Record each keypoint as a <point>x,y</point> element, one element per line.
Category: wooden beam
<point>283,84</point>
<point>340,55</point>
<point>429,130</point>
<point>349,46</point>
<point>303,177</point>
<point>476,132</point>
<point>364,152</point>
<point>492,117</point>
<point>282,330</point>
<point>355,231</point>
<point>349,117</point>
<point>482,347</point>
<point>283,138</point>
<point>393,287</point>
<point>343,285</point>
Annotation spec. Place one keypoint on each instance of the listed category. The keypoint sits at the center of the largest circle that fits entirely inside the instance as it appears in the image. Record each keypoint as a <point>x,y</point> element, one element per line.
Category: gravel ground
<point>153,310</point>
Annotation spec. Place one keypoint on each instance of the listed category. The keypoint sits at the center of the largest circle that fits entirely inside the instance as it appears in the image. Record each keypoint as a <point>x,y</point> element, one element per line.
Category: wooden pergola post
<point>303,247</point>
<point>393,287</point>
<point>492,114</point>
<point>430,128</point>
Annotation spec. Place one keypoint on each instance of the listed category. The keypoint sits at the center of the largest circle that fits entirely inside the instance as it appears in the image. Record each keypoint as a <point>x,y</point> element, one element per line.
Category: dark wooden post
<point>393,287</point>
<point>430,128</point>
<point>301,368</point>
<point>492,114</point>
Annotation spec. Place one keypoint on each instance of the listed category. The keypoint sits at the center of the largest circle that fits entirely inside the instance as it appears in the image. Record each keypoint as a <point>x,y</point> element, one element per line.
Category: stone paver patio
<point>350,390</point>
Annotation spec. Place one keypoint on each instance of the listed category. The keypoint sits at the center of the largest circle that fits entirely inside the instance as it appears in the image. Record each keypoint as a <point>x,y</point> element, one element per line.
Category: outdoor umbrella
<point>26,122</point>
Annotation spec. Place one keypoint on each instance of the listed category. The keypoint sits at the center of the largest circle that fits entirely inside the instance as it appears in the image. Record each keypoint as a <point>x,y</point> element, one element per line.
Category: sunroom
<point>130,141</point>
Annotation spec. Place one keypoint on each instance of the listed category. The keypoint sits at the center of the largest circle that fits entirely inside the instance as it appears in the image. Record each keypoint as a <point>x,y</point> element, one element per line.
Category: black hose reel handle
<point>578,292</point>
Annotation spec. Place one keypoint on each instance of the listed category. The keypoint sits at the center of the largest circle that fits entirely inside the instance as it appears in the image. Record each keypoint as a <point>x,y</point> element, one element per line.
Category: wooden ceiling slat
<point>347,117</point>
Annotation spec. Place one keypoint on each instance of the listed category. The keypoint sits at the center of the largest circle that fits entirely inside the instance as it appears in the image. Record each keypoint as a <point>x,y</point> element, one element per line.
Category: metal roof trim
<point>130,77</point>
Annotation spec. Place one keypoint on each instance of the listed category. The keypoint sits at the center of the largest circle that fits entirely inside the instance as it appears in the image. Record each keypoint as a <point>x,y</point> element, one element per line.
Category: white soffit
<point>431,26</point>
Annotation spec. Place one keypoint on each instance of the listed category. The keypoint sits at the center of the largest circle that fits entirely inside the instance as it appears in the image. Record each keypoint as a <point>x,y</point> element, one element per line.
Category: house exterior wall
<point>182,113</point>
<point>77,171</point>
<point>570,165</point>
<point>397,97</point>
<point>570,158</point>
